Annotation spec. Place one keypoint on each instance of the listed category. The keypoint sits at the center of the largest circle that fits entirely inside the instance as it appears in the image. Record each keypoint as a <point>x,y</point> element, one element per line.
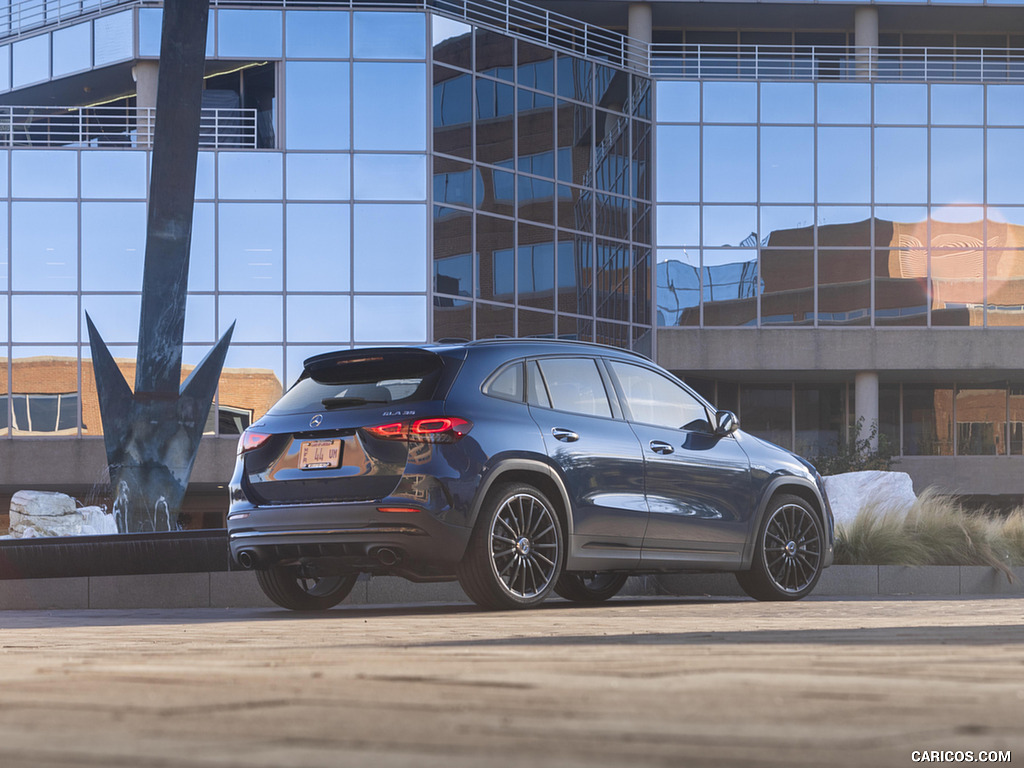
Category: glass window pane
<point>249,241</point>
<point>150,20</point>
<point>678,293</point>
<point>200,263</point>
<point>323,319</point>
<point>316,34</point>
<point>249,385</point>
<point>256,318</point>
<point>958,104</point>
<point>1006,105</point>
<point>730,225</point>
<point>397,122</point>
<point>678,164</point>
<point>44,247</point>
<point>844,227</point>
<point>113,246</point>
<point>957,165</point>
<point>379,35</point>
<point>390,177</point>
<point>820,416</point>
<point>114,174</point>
<point>844,287</point>
<point>318,177</point>
<point>787,103</point>
<point>767,412</point>
<point>536,268</point>
<point>249,33</point>
<point>3,340</point>
<point>1005,163</point>
<point>786,225</point>
<point>199,320</point>
<point>494,321</point>
<point>730,102</point>
<point>729,284</point>
<point>318,256</point>
<point>205,181</point>
<point>901,165</point>
<point>844,103</point>
<point>5,67</point>
<point>575,386</point>
<point>452,42</point>
<point>31,60</point>
<point>655,399</point>
<point>44,318</point>
<point>390,319</point>
<point>901,103</point>
<point>249,175</point>
<point>844,165</point>
<point>72,49</point>
<point>115,317</point>
<point>113,38</point>
<point>316,105</point>
<point>575,79</point>
<point>730,164</point>
<point>787,286</point>
<point>44,173</point>
<point>787,165</point>
<point>677,101</point>
<point>390,248</point>
<point>981,421</point>
<point>927,420</point>
<point>678,225</point>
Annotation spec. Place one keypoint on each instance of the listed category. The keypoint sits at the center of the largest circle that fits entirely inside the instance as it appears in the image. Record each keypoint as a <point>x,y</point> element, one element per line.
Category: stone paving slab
<point>658,682</point>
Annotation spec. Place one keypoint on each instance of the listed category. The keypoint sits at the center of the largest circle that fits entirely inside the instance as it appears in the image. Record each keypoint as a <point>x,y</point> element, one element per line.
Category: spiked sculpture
<point>152,437</point>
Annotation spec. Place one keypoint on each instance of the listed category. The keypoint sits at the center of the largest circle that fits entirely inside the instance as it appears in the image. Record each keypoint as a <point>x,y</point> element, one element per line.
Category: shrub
<point>855,454</point>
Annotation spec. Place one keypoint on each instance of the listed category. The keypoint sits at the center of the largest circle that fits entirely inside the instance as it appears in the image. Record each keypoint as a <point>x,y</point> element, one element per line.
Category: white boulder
<point>47,513</point>
<point>887,492</point>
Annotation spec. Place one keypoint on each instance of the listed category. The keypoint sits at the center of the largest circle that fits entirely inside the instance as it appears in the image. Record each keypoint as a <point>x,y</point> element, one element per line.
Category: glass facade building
<point>811,224</point>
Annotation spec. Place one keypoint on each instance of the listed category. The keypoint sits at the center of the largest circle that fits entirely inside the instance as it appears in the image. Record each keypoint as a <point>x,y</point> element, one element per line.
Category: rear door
<point>598,455</point>
<point>697,483</point>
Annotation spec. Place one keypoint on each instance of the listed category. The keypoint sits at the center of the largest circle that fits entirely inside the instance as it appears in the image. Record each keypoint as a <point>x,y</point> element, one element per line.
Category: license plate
<point>320,454</point>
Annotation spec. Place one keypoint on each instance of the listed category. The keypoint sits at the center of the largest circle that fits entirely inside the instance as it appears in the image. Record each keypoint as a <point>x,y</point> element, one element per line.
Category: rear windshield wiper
<point>344,402</point>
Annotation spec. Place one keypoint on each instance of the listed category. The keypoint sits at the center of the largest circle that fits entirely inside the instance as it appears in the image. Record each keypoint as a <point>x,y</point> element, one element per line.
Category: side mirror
<point>726,423</point>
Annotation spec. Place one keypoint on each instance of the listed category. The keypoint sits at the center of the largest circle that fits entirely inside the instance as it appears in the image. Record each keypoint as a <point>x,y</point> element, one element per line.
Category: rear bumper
<point>347,536</point>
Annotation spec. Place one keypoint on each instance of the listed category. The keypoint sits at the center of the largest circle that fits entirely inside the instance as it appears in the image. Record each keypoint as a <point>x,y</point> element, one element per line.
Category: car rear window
<point>354,379</point>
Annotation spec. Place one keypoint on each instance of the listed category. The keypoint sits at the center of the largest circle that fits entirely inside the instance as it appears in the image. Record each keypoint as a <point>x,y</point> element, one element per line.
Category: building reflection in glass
<point>946,273</point>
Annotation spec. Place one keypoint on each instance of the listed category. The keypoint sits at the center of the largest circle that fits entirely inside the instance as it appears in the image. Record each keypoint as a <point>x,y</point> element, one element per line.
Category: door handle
<point>565,435</point>
<point>660,447</point>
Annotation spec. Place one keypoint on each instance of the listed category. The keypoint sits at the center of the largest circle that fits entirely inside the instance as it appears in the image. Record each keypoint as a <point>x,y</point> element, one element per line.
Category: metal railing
<point>795,62</point>
<point>130,127</point>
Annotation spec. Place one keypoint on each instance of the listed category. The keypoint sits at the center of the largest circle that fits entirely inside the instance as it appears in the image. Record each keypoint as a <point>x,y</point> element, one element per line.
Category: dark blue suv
<point>519,467</point>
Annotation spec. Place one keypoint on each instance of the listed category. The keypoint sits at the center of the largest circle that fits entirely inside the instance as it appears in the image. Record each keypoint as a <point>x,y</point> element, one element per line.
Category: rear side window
<point>575,385</point>
<point>349,380</point>
<point>507,384</point>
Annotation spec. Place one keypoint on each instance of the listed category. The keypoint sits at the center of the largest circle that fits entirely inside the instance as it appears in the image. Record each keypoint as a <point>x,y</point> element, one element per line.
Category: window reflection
<point>844,287</point>
<point>787,286</point>
<point>44,173</point>
<point>397,122</point>
<point>786,103</point>
<point>452,42</point>
<point>536,66</point>
<point>249,384</point>
<point>250,175</point>
<point>730,102</point>
<point>981,420</point>
<point>390,319</point>
<point>317,176</point>
<point>901,165</point>
<point>113,246</point>
<point>453,320</point>
<point>31,60</point>
<point>787,164</point>
<point>250,236</point>
<point>494,321</point>
<point>957,168</point>
<point>820,418</point>
<point>396,35</point>
<point>1005,165</point>
<point>320,34</point>
<point>844,165</point>
<point>256,318</point>
<point>390,177</point>
<point>44,248</point>
<point>844,103</point>
<point>730,284</point>
<point>44,318</point>
<point>958,104</point>
<point>536,267</point>
<point>730,225</point>
<point>318,247</point>
<point>730,164</point>
<point>317,99</point>
<point>322,319</point>
<point>575,78</point>
<point>390,247</point>
<point>249,33</point>
<point>927,420</point>
<point>901,103</point>
<point>72,49</point>
<point>767,412</point>
<point>44,398</point>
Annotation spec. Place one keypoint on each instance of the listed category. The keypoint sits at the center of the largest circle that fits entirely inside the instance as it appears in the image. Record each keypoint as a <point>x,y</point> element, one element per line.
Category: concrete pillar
<point>865,35</point>
<point>146,74</point>
<point>640,30</point>
<point>866,406</point>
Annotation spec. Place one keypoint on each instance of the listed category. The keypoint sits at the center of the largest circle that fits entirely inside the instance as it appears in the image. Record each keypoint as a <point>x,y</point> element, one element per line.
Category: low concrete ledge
<point>238,589</point>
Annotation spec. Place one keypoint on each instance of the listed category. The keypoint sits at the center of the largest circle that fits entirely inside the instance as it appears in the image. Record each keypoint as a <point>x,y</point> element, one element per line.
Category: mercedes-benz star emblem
<point>316,421</point>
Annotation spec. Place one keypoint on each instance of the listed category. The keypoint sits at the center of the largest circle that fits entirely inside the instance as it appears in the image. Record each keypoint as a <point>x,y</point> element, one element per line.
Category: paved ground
<point>650,682</point>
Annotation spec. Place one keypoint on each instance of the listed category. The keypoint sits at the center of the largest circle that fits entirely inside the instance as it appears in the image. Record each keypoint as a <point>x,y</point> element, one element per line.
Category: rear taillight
<point>250,441</point>
<point>443,429</point>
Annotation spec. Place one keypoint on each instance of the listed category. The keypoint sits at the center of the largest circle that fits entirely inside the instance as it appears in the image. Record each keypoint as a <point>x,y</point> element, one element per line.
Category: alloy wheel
<point>524,545</point>
<point>792,548</point>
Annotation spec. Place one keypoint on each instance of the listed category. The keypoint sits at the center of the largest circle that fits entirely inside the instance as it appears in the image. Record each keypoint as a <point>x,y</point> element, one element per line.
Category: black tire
<point>590,587</point>
<point>789,553</point>
<point>515,553</point>
<point>286,587</point>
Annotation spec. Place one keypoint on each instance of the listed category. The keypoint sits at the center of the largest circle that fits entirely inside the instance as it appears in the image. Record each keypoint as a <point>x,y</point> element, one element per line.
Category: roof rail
<point>568,342</point>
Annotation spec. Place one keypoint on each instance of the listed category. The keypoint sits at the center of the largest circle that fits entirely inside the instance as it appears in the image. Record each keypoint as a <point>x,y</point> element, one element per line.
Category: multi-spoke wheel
<point>515,554</point>
<point>790,551</point>
<point>590,587</point>
<point>289,588</point>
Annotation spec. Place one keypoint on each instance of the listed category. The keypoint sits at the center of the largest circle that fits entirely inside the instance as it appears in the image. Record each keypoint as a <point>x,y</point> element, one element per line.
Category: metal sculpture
<point>152,436</point>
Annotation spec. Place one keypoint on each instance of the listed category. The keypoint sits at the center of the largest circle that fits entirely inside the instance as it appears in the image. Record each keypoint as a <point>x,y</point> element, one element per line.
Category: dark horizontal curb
<point>122,554</point>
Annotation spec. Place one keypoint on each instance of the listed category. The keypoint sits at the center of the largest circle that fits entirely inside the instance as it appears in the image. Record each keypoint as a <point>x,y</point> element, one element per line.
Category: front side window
<point>655,399</point>
<point>575,385</point>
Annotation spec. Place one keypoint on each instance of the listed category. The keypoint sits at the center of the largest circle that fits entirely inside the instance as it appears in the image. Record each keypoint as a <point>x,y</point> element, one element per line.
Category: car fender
<point>769,490</point>
<point>503,466</point>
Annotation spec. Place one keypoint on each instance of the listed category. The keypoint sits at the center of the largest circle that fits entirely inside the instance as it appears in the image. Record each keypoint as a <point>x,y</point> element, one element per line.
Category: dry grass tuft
<point>936,530</point>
